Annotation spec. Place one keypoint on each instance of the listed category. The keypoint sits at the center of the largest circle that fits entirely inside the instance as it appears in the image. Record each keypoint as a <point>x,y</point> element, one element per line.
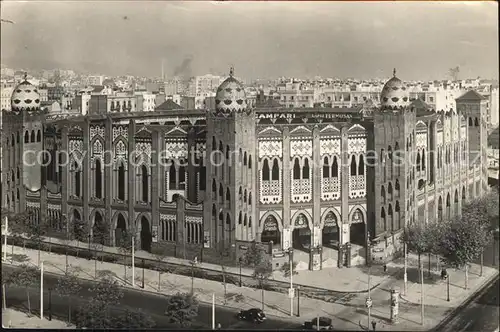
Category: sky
<point>423,40</point>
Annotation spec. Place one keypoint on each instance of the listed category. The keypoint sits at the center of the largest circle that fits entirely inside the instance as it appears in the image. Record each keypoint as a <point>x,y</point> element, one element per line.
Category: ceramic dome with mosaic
<point>230,97</point>
<point>25,97</point>
<point>394,94</point>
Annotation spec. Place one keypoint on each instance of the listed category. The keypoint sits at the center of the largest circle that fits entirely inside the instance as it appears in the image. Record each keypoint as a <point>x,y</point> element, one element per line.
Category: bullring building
<point>200,181</point>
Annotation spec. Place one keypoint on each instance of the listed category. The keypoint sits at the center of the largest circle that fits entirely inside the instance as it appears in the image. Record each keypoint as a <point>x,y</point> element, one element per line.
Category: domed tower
<point>22,131</point>
<point>393,128</point>
<point>230,148</point>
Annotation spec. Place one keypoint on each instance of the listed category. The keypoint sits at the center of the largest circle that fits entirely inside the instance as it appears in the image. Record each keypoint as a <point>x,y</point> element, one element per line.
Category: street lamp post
<point>290,254</point>
<point>448,288</point>
<point>133,259</point>
<point>6,231</point>
<point>240,270</point>
<point>298,301</point>
<point>405,276</point>
<point>369,300</point>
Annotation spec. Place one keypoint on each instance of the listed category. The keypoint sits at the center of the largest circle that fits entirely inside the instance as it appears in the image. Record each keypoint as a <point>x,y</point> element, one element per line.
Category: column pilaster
<point>286,186</point>
<point>131,176</point>
<point>344,185</point>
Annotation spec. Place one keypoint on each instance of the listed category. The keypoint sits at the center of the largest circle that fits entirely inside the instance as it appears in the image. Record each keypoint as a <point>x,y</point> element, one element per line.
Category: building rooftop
<point>168,105</point>
<point>470,95</point>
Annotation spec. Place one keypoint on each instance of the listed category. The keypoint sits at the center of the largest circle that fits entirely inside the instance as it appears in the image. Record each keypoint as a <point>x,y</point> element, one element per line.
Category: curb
<point>138,289</point>
<point>447,318</point>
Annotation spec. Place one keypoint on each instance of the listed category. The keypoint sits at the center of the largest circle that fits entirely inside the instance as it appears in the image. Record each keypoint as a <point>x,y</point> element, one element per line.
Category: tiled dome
<point>231,97</point>
<point>394,94</point>
<point>25,97</point>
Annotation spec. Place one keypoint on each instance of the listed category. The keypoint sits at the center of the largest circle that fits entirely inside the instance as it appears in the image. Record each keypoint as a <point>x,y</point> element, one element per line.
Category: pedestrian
<point>219,326</point>
<point>385,267</point>
<point>374,324</point>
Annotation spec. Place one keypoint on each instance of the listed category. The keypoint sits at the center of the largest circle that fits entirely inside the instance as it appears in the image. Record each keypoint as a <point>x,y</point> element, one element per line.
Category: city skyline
<point>309,39</point>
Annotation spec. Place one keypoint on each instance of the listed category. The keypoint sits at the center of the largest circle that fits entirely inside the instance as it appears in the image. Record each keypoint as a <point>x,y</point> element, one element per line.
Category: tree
<point>95,314</point>
<point>262,273</point>
<point>68,285</point>
<point>36,232</point>
<point>182,309</point>
<point>454,72</point>
<point>26,277</point>
<point>254,256</point>
<point>420,239</point>
<point>223,254</point>
<point>18,225</point>
<point>160,254</point>
<point>100,238</point>
<point>133,320</point>
<point>80,230</point>
<point>464,241</point>
<point>486,207</point>
<point>285,268</point>
<point>125,247</point>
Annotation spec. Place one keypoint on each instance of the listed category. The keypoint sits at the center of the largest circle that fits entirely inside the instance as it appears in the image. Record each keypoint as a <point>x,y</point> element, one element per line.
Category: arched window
<point>13,140</point>
<point>249,221</point>
<point>17,138</point>
<point>396,187</point>
<point>335,168</point>
<point>77,179</point>
<point>245,196</point>
<point>250,199</point>
<point>214,144</point>
<point>121,182</point>
<point>245,220</point>
<point>389,212</point>
<point>245,159</point>
<point>389,152</point>
<point>214,212</point>
<point>98,179</point>
<point>389,190</point>
<point>276,170</point>
<point>214,187</point>
<point>240,155</point>
<point>26,137</point>
<point>32,136</point>
<point>221,147</point>
<point>470,122</point>
<point>476,122</point>
<point>145,184</point>
<point>305,169</point>
<point>221,218</point>
<point>296,169</point>
<point>38,136</point>
<point>221,192</point>
<point>418,161</point>
<point>382,215</point>
<point>353,166</point>
<point>423,160</point>
<point>382,155</point>
<point>228,219</point>
<point>249,161</point>
<point>326,168</point>
<point>240,194</point>
<point>228,198</point>
<point>382,194</point>
<point>361,166</point>
<point>265,171</point>
<point>227,153</point>
<point>240,219</point>
<point>172,176</point>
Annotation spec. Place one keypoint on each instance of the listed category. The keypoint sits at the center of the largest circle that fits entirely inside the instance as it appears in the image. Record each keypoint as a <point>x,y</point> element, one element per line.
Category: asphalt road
<point>151,303</point>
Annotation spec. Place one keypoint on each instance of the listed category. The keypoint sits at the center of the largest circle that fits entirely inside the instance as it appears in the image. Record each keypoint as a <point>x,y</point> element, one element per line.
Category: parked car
<point>252,315</point>
<point>325,324</point>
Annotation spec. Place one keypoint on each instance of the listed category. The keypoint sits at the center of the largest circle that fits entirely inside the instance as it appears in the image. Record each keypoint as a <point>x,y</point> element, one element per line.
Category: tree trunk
<point>466,276</point>
<point>429,272</point>
<point>225,287</point>
<point>4,298</point>
<point>12,253</point>
<point>66,259</point>
<point>95,268</point>
<point>38,256</point>
<point>29,303</point>
<point>159,281</point>
<point>69,310</point>
<point>24,244</point>
<point>419,267</point>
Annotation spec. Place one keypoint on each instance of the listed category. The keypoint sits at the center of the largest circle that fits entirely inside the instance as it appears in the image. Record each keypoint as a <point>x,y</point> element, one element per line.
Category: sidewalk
<point>348,280</point>
<point>347,312</point>
<point>14,319</point>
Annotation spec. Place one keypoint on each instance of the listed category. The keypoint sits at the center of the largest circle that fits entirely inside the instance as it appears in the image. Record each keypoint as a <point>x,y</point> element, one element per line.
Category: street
<point>153,304</point>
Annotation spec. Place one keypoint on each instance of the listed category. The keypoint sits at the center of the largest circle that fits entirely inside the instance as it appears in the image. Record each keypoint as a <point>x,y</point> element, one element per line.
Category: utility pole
<point>41,290</point>
<point>133,259</point>
<point>290,253</point>
<point>422,291</point>
<point>213,311</point>
<point>405,276</point>
<point>6,231</point>
<point>369,299</point>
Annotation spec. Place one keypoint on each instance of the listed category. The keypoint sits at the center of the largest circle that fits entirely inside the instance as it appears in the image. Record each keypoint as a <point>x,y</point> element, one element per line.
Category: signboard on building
<point>290,114</point>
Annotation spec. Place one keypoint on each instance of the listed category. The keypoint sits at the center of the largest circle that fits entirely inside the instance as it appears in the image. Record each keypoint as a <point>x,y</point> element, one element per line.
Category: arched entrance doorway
<point>146,237</point>
<point>270,231</point>
<point>78,226</point>
<point>99,231</point>
<point>301,238</point>
<point>357,229</point>
<point>121,227</point>
<point>330,231</point>
<point>440,209</point>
